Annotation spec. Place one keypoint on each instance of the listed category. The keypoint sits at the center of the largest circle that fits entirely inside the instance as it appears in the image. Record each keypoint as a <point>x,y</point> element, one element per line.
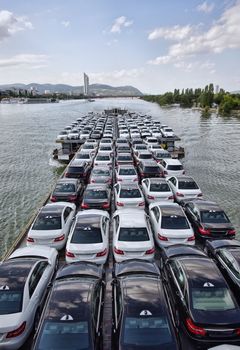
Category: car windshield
<point>64,335</point>
<point>161,187</point>
<point>212,299</point>
<point>10,301</point>
<point>103,157</point>
<point>175,167</point>
<point>126,171</point>
<point>101,172</point>
<point>105,148</point>
<point>95,194</point>
<point>86,234</point>
<point>130,193</point>
<point>214,217</point>
<point>65,188</point>
<point>82,156</point>
<point>187,185</point>
<point>151,169</point>
<point>174,222</point>
<point>133,234</point>
<point>47,221</point>
<point>147,331</point>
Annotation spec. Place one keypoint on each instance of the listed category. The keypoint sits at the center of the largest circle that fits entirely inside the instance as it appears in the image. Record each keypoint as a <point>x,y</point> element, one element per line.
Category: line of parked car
<point>129,188</point>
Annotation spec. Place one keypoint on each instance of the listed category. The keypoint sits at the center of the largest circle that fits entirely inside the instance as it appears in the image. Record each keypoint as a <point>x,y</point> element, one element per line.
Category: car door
<point>97,313</point>
<point>105,231</point>
<point>155,217</point>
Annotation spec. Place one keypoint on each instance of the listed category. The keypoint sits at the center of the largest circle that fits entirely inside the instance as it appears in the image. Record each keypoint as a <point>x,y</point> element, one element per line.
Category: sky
<point>154,45</point>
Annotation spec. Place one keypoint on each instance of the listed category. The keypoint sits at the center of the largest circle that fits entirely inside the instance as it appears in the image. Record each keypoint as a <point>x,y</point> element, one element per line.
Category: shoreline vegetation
<point>204,100</point>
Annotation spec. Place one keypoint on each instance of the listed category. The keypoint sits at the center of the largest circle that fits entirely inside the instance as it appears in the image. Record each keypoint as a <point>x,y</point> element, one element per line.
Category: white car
<point>151,141</point>
<point>103,159</point>
<point>85,155</point>
<point>89,237</point>
<point>128,195</point>
<point>156,189</point>
<point>126,174</point>
<point>167,132</point>
<point>170,224</point>
<point>63,135</point>
<point>106,141</point>
<point>52,225</point>
<point>171,167</point>
<point>24,278</point>
<point>184,187</point>
<point>132,235</point>
<point>73,135</point>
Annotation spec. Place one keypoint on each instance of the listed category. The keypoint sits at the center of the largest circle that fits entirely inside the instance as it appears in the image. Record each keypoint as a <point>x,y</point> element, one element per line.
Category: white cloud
<point>65,23</point>
<point>30,60</point>
<point>223,34</point>
<point>205,7</point>
<point>119,23</point>
<point>11,24</point>
<point>173,33</point>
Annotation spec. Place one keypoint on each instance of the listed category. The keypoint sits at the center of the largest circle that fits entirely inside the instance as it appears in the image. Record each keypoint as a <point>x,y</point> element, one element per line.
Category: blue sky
<point>154,45</point>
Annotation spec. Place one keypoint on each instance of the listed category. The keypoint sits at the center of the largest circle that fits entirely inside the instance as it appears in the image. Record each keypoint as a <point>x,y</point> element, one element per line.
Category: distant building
<point>47,92</point>
<point>216,89</point>
<point>86,84</point>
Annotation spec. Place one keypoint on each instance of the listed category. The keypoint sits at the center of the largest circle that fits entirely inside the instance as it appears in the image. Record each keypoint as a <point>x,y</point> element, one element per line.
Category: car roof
<point>97,187</point>
<point>149,162</point>
<point>168,209</point>
<point>126,166</point>
<point>67,180</point>
<point>53,208</point>
<point>184,178</point>
<point>14,273</point>
<point>199,273</point>
<point>206,205</point>
<point>129,186</point>
<point>89,219</point>
<point>132,218</point>
<point>157,180</point>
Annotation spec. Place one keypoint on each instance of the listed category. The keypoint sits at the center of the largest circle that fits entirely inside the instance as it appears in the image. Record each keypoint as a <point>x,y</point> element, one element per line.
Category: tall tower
<point>86,84</point>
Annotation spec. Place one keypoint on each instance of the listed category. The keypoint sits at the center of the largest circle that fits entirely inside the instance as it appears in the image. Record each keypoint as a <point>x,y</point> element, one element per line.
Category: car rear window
<point>213,217</point>
<point>174,222</point>
<point>147,331</point>
<point>101,172</point>
<point>86,234</point>
<point>95,194</point>
<point>47,221</point>
<point>159,188</point>
<point>103,157</point>
<point>187,185</point>
<point>65,188</point>
<point>175,167</point>
<point>163,155</point>
<point>151,169</point>
<point>75,169</point>
<point>131,234</point>
<point>64,335</point>
<point>10,301</point>
<point>212,299</point>
<point>127,171</point>
<point>82,156</point>
<point>124,158</point>
<point>130,193</point>
<point>145,156</point>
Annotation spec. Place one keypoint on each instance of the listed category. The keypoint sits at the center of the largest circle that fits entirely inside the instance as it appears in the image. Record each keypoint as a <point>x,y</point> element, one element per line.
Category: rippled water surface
<point>28,135</point>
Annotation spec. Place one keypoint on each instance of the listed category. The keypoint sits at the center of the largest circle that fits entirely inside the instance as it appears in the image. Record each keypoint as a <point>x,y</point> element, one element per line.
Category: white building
<point>86,84</point>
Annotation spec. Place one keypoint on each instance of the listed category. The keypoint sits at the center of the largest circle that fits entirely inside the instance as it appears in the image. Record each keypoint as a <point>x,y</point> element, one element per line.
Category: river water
<point>28,134</point>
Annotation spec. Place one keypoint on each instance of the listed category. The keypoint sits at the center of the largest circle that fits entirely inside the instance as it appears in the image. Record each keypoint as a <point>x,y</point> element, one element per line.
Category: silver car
<point>101,175</point>
<point>126,174</point>
<point>24,278</point>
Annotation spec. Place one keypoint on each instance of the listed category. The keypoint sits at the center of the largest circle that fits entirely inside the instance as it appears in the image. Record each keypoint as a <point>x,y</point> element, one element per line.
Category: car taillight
<point>59,238</point>
<point>232,232</point>
<point>179,194</point>
<point>237,331</point>
<point>120,204</point>
<point>30,240</point>
<point>72,198</point>
<point>141,204</point>
<point>84,206</point>
<point>119,179</point>
<point>195,329</point>
<point>17,331</point>
<point>165,172</point>
<point>93,181</point>
<point>162,238</point>
<point>150,197</point>
<point>69,254</point>
<point>150,251</point>
<point>171,197</point>
<point>53,199</point>
<point>66,174</point>
<point>105,205</point>
<point>118,251</point>
<point>104,252</point>
<point>136,179</point>
<point>183,172</point>
<point>202,231</point>
<point>190,239</point>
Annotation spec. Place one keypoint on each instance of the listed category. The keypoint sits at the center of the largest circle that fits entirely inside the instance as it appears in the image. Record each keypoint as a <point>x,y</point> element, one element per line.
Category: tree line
<point>204,98</point>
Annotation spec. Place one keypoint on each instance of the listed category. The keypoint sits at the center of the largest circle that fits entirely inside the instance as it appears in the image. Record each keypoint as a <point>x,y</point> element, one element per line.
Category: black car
<point>97,196</point>
<point>205,308</point>
<point>142,318</point>
<point>67,190</point>
<point>149,168</point>
<point>72,317</point>
<point>78,170</point>
<point>226,253</point>
<point>208,219</point>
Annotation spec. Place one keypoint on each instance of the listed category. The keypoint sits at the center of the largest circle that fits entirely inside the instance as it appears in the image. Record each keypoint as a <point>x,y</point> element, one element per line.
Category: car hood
<point>230,318</point>
<point>10,322</point>
<point>44,233</point>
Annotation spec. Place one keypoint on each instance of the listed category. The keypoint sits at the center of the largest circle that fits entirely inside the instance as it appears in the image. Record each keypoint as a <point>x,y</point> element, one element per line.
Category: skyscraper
<point>86,84</point>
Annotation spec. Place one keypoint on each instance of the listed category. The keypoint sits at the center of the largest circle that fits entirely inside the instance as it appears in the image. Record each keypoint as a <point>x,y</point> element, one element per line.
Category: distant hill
<point>97,89</point>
